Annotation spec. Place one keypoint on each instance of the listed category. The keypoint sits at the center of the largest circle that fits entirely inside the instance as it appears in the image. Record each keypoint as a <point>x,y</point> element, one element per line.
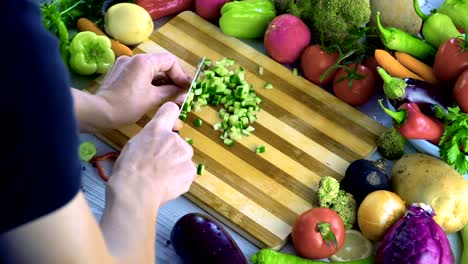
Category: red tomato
<point>460,91</point>
<point>315,62</point>
<point>307,239</point>
<point>451,59</point>
<point>350,88</point>
<point>371,63</point>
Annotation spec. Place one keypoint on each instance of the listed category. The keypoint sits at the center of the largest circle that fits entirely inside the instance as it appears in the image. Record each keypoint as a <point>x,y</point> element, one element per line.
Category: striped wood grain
<point>308,133</point>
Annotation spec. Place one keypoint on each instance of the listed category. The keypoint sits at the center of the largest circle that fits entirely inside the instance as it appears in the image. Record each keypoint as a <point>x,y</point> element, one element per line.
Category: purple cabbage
<point>415,239</point>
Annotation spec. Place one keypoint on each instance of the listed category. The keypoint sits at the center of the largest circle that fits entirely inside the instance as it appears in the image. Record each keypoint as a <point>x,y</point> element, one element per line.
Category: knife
<point>197,73</point>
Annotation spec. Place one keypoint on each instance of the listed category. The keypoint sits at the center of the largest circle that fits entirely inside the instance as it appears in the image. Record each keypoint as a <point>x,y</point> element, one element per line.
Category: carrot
<point>391,65</point>
<point>84,24</point>
<point>417,66</point>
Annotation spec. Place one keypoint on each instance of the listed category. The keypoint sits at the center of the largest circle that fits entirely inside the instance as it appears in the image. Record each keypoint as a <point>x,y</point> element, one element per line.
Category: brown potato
<point>399,14</point>
<point>421,178</point>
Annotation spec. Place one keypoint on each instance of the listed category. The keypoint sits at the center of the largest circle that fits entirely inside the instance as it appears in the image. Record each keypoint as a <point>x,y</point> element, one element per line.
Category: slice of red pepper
<point>96,159</point>
<point>413,124</point>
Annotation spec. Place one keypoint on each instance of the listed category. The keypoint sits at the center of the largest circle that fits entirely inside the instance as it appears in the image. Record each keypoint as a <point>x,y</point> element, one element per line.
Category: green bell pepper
<point>90,53</point>
<point>457,10</point>
<point>246,19</point>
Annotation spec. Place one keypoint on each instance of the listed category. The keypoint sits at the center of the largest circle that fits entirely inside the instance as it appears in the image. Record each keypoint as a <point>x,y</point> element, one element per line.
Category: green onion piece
<point>295,72</point>
<point>260,70</point>
<point>87,151</point>
<point>200,169</point>
<point>198,122</point>
<point>189,140</point>
<point>268,86</point>
<point>260,149</point>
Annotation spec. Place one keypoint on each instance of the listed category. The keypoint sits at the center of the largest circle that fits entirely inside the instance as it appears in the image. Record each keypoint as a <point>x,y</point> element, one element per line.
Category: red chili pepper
<point>162,8</point>
<point>95,161</point>
<point>413,124</point>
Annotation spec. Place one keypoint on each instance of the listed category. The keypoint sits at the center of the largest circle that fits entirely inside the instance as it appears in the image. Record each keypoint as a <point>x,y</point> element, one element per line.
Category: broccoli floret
<point>328,190</point>
<point>336,18</point>
<point>345,206</point>
<point>330,196</point>
<point>331,19</point>
<point>391,144</point>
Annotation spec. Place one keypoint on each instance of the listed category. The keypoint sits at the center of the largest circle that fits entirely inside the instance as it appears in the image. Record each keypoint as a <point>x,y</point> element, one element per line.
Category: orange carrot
<point>417,66</point>
<point>84,24</point>
<point>391,65</point>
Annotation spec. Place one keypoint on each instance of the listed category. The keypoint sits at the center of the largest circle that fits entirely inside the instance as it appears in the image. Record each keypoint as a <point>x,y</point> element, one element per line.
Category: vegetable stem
<point>398,116</point>
<point>327,234</point>
<point>418,10</point>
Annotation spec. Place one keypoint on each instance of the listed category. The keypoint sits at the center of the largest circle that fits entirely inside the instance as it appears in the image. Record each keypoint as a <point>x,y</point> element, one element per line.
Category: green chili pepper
<point>437,27</point>
<point>90,53</point>
<point>64,38</point>
<point>399,40</point>
<point>246,19</point>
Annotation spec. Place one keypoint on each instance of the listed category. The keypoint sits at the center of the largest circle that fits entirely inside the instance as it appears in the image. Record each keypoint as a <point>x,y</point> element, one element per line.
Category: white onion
<point>377,212</point>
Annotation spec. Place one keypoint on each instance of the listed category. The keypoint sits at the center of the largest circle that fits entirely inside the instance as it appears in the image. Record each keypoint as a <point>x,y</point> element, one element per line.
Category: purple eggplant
<point>197,238</point>
<point>408,90</point>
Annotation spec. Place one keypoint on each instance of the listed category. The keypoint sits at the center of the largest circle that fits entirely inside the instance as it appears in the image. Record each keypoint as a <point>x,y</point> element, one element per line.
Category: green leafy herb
<point>455,139</point>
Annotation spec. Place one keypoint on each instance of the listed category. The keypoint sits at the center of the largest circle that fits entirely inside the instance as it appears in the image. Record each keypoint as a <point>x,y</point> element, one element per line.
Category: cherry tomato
<point>355,85</point>
<point>315,62</point>
<point>460,91</point>
<point>318,233</point>
<point>451,59</point>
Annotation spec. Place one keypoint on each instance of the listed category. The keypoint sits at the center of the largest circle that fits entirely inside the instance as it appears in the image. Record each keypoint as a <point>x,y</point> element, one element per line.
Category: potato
<point>128,23</point>
<point>398,13</point>
<point>421,178</point>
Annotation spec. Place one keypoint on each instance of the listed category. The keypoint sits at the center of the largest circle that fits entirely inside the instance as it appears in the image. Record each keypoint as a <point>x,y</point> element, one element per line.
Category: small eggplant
<point>197,238</point>
<point>408,90</point>
<point>365,176</point>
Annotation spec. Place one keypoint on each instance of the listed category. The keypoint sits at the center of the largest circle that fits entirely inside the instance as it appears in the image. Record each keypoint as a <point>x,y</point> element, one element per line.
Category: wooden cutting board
<point>308,133</point>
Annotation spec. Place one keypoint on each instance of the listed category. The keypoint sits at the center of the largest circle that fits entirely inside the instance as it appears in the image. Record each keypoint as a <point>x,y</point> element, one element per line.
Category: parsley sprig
<point>454,141</point>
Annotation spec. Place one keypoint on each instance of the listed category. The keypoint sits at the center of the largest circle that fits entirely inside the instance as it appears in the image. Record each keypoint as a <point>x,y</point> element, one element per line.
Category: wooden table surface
<point>94,187</point>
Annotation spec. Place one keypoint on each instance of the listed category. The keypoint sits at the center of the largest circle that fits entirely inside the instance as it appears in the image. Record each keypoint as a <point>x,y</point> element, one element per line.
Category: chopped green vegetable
<point>391,144</point>
<point>260,149</point>
<point>87,151</point>
<point>454,139</point>
<point>260,70</point>
<point>200,169</point>
<point>331,196</point>
<point>207,62</point>
<point>225,87</point>
<point>198,122</point>
<point>295,72</point>
<point>268,86</point>
<point>189,140</point>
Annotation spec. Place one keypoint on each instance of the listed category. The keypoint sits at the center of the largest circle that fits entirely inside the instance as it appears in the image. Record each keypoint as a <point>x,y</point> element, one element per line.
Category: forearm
<point>129,220</point>
<point>92,112</point>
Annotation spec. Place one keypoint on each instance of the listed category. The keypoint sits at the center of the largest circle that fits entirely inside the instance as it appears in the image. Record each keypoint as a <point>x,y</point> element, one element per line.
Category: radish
<point>209,9</point>
<point>285,38</point>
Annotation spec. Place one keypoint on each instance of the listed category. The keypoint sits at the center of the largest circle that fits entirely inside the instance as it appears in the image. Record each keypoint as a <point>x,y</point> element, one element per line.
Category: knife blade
<point>192,84</point>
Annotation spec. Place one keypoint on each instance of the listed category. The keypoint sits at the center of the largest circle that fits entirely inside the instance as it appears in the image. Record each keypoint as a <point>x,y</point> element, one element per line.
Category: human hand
<point>139,83</point>
<point>157,158</point>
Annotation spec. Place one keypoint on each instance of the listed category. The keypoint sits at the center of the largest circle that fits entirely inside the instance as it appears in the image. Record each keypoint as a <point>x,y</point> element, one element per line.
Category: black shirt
<point>39,164</point>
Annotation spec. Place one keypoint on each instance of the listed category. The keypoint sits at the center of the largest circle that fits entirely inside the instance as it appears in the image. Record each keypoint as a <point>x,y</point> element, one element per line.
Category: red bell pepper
<point>413,124</point>
<point>162,8</point>
<point>96,159</point>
